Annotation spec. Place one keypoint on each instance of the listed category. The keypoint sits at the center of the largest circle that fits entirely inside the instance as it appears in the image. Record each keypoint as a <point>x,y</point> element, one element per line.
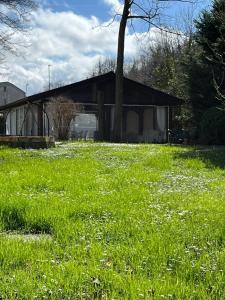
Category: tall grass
<point>101,221</point>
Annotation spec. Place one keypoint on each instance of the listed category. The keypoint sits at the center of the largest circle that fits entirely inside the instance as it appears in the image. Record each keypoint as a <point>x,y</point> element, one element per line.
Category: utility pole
<point>49,77</point>
<point>27,84</point>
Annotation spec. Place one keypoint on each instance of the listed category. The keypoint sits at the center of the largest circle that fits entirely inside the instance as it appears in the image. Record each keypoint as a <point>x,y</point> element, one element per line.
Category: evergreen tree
<point>199,83</point>
<point>206,71</point>
<point>210,35</point>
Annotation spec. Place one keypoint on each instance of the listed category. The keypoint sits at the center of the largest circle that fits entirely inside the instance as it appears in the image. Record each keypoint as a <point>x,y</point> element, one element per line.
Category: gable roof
<point>6,83</point>
<point>44,96</point>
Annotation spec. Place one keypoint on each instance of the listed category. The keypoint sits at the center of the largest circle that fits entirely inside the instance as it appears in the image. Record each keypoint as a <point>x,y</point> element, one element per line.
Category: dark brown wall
<point>134,94</point>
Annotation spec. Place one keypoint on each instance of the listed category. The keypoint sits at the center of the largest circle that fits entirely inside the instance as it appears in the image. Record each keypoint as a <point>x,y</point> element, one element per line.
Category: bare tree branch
<point>62,111</point>
<point>14,15</point>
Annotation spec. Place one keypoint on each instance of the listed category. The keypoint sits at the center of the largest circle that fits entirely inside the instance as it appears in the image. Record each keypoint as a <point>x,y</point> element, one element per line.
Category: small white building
<point>10,93</point>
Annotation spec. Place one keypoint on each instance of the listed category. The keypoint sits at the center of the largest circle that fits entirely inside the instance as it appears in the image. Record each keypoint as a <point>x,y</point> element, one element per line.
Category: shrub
<point>212,126</point>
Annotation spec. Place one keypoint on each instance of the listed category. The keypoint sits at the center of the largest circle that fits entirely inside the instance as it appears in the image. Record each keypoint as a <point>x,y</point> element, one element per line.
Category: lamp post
<point>27,84</point>
<point>49,77</point>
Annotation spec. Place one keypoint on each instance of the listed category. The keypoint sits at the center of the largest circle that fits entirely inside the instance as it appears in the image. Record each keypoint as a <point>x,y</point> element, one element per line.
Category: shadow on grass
<point>14,219</point>
<point>211,156</point>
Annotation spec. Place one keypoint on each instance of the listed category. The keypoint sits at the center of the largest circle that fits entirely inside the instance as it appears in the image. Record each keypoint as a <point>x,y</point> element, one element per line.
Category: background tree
<point>14,15</point>
<point>159,66</point>
<point>54,85</point>
<point>103,66</point>
<point>199,83</point>
<point>212,126</point>
<point>206,71</point>
<point>210,35</point>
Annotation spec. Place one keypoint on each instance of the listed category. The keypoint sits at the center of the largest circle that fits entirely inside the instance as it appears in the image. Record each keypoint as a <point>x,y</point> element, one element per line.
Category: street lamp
<point>49,77</point>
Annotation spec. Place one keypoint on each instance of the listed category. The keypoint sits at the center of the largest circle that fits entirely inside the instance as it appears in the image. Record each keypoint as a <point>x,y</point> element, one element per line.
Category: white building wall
<point>8,124</point>
<point>48,121</point>
<point>162,122</point>
<point>13,122</point>
<point>35,120</point>
<point>154,125</point>
<point>9,93</point>
<point>19,121</point>
<point>22,120</point>
<point>31,121</point>
<point>150,132</point>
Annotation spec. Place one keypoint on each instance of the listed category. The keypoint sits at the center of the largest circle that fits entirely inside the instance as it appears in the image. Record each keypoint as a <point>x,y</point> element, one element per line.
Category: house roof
<point>6,83</point>
<point>44,96</point>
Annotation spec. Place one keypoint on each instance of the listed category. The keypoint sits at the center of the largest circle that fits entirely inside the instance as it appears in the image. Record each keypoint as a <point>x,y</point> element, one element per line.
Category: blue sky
<point>99,8</point>
<point>72,35</point>
<point>171,12</point>
<point>87,8</point>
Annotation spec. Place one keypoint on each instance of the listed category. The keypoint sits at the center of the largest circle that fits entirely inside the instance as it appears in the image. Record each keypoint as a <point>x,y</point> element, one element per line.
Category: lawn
<point>101,221</point>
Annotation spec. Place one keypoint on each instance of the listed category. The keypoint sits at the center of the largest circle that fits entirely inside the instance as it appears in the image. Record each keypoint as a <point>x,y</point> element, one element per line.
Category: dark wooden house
<point>147,113</point>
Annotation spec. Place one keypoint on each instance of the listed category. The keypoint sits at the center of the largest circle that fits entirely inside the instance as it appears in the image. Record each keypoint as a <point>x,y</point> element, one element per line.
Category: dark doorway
<point>2,124</point>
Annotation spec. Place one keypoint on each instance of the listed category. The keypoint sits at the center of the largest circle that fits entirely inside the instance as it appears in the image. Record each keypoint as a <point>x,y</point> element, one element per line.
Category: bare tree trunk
<point>117,128</point>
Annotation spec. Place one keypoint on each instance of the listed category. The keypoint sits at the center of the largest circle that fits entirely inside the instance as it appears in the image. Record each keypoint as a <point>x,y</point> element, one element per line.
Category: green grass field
<point>101,221</point>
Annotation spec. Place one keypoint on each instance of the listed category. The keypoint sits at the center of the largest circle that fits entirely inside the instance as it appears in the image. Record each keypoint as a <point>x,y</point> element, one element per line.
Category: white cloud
<point>116,6</point>
<point>71,43</point>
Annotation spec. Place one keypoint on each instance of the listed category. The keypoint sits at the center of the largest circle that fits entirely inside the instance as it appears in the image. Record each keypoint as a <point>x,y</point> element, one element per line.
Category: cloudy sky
<point>71,36</point>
